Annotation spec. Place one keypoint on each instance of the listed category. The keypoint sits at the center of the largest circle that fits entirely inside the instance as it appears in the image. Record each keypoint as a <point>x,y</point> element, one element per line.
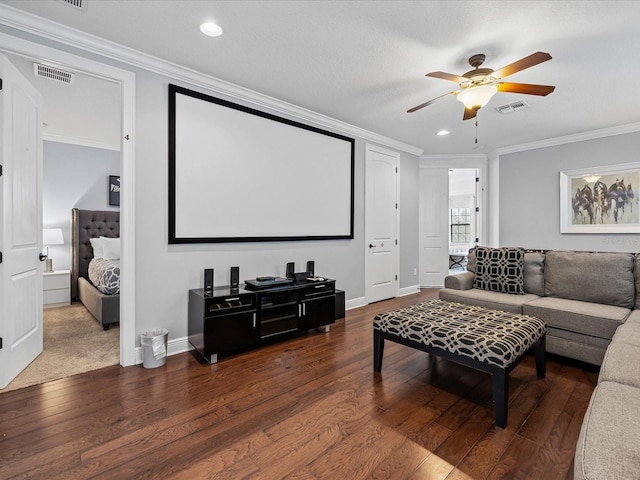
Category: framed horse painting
<point>600,199</point>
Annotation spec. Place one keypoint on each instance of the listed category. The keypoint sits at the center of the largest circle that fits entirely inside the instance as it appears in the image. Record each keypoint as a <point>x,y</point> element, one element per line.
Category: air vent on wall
<point>77,4</point>
<point>52,73</point>
<point>512,107</point>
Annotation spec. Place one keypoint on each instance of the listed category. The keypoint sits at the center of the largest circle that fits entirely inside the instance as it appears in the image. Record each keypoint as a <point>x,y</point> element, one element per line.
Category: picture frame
<point>114,190</point>
<point>600,199</point>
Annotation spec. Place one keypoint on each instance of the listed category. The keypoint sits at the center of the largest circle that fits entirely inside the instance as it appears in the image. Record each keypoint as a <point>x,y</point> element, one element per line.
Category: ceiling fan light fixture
<point>477,97</point>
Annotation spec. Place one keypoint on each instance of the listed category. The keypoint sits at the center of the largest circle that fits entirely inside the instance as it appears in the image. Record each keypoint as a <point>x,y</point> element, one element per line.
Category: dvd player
<point>262,283</point>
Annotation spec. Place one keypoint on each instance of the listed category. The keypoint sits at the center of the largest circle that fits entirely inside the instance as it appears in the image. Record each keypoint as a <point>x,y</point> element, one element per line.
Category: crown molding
<point>44,28</point>
<point>577,137</point>
<point>462,160</point>
<point>454,156</point>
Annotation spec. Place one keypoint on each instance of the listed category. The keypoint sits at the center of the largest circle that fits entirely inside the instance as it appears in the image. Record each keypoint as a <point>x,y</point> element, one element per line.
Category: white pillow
<point>110,248</point>
<point>96,244</point>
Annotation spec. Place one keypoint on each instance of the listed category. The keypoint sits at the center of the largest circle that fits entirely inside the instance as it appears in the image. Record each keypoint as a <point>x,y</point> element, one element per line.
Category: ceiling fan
<point>480,84</point>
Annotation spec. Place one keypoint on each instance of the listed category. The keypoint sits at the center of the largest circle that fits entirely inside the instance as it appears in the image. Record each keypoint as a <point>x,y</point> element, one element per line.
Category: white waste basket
<point>154,347</point>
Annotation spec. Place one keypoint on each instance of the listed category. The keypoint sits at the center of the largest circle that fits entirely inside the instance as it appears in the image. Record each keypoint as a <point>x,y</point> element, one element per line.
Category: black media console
<point>228,320</point>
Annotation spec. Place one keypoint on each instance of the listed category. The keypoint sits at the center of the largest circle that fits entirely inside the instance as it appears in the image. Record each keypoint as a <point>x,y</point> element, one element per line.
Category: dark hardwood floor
<point>307,408</point>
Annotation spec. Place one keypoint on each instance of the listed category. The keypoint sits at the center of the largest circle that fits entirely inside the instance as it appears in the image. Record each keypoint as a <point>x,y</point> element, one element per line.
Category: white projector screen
<point>240,175</point>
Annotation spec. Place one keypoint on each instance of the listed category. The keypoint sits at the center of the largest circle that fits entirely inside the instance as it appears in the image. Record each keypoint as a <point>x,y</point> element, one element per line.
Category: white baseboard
<point>409,290</point>
<point>175,346</point>
<point>355,303</point>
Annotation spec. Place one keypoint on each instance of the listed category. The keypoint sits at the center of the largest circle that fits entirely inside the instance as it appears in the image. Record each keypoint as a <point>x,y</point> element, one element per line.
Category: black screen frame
<point>175,90</point>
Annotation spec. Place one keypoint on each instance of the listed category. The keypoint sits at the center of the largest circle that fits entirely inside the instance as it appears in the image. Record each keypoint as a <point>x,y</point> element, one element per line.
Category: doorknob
<point>371,245</point>
<point>42,257</point>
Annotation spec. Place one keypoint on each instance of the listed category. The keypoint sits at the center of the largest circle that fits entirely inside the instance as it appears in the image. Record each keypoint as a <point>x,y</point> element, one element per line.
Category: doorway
<point>463,216</point>
<point>436,196</point>
<point>125,82</point>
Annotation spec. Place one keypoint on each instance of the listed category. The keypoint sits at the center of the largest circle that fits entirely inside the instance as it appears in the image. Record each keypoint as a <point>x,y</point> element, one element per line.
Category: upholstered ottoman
<point>492,341</point>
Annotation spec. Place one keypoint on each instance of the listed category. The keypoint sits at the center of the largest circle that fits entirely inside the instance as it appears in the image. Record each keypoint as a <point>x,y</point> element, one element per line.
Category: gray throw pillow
<point>471,260</point>
<point>533,273</point>
<point>500,270</point>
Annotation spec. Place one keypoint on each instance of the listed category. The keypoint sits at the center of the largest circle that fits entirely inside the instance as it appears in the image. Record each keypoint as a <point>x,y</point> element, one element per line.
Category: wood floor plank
<point>308,408</point>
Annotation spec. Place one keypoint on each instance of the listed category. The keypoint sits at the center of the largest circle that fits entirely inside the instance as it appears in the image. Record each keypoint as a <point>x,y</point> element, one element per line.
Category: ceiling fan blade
<point>469,113</point>
<point>526,88</point>
<point>526,62</point>
<point>447,76</point>
<point>422,105</point>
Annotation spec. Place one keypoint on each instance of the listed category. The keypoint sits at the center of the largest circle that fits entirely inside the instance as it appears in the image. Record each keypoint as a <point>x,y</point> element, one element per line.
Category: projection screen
<point>237,174</point>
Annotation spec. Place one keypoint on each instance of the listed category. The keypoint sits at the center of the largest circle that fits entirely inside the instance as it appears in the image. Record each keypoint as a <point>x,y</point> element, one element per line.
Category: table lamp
<point>51,236</point>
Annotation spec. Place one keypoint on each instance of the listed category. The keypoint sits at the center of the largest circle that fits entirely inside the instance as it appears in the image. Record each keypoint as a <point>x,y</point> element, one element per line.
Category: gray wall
<point>73,176</point>
<point>530,204</point>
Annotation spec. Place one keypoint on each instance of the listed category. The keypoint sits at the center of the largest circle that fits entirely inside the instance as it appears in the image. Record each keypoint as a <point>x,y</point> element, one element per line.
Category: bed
<point>85,225</point>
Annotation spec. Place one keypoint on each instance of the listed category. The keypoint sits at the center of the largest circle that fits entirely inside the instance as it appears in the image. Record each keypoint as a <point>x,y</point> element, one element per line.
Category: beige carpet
<point>74,342</point>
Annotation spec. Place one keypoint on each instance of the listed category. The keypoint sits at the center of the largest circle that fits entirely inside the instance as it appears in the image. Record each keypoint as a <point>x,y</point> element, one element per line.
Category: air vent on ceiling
<point>77,4</point>
<point>52,73</point>
<point>512,107</point>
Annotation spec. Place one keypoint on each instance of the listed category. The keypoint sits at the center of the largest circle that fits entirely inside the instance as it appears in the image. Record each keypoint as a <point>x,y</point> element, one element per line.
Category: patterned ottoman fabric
<point>490,336</point>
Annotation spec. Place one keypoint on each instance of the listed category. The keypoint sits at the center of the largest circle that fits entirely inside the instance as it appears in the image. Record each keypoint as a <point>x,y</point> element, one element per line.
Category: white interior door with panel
<point>381,223</point>
<point>434,226</point>
<point>21,223</point>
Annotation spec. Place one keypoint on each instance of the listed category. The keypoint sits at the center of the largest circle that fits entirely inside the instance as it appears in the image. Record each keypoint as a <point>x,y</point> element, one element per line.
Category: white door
<point>20,223</point>
<point>381,223</point>
<point>434,226</point>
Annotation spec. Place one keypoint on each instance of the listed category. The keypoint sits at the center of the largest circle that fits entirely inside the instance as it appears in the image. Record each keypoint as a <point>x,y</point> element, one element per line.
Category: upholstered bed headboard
<point>86,224</point>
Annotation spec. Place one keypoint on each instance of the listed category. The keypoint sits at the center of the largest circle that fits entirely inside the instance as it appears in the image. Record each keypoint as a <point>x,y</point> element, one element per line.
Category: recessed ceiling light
<point>211,29</point>
<point>442,133</point>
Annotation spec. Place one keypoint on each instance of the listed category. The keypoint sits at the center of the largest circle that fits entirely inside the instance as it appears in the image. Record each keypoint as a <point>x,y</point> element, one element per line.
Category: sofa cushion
<point>607,447</point>
<point>499,270</point>
<point>587,318</point>
<point>533,275</point>
<point>620,365</point>
<point>629,332</point>
<point>634,317</point>
<point>487,299</point>
<point>605,278</point>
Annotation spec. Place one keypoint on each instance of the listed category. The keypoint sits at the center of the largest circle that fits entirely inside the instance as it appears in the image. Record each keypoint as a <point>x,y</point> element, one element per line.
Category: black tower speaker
<point>235,277</point>
<point>290,269</point>
<point>208,279</point>
<point>311,267</point>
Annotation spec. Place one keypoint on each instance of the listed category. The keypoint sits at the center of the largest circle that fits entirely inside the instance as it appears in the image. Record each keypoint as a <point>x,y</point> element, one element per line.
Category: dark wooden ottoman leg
<point>378,350</point>
<point>501,396</point>
<point>539,352</point>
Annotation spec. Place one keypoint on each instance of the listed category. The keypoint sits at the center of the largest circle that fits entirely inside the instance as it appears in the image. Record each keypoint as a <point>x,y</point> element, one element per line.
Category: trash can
<point>154,347</point>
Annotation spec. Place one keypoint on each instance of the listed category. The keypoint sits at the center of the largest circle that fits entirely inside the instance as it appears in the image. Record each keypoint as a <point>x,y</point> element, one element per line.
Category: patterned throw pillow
<point>499,270</point>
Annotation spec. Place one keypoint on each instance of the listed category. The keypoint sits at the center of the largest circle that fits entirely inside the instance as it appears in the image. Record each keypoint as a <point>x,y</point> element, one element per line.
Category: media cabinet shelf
<point>226,320</point>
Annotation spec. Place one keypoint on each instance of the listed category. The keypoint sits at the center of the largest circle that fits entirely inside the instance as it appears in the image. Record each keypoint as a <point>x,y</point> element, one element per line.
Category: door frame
<point>367,280</point>
<point>481,162</point>
<point>126,79</point>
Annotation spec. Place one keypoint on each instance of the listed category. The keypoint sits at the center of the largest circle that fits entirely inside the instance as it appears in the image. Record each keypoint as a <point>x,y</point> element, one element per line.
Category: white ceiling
<point>364,62</point>
<point>84,112</point>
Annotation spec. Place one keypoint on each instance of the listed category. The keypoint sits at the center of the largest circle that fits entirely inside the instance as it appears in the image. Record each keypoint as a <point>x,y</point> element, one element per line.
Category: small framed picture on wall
<point>114,190</point>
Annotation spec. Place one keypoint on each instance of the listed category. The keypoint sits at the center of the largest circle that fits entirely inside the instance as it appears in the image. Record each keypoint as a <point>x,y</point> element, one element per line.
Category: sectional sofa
<point>590,302</point>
